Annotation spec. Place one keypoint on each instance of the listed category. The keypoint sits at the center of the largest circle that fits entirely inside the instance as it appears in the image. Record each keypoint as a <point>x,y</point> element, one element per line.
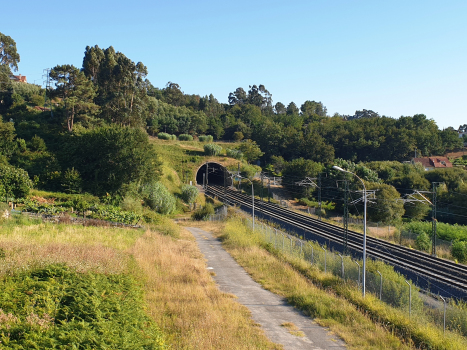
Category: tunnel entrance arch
<point>215,173</point>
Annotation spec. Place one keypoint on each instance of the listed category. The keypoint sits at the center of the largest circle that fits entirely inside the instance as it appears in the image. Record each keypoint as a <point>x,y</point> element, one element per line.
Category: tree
<point>292,108</point>
<point>238,97</point>
<point>313,108</point>
<point>259,96</point>
<point>250,150</point>
<point>280,108</point>
<point>122,86</point>
<point>7,139</point>
<point>109,157</point>
<point>76,91</point>
<point>173,94</point>
<point>9,59</point>
<point>387,207</point>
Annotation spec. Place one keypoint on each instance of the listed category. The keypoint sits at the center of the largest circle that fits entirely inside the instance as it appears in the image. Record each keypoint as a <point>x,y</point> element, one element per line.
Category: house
<point>19,78</point>
<point>430,163</point>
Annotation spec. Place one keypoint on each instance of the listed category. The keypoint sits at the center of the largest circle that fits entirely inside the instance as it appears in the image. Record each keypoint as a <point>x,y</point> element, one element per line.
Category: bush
<point>158,198</point>
<point>212,149</point>
<point>234,153</point>
<point>189,193</point>
<point>165,136</point>
<point>71,181</point>
<point>203,213</point>
<point>238,136</point>
<point>68,309</point>
<point>185,137</point>
<point>459,251</point>
<point>132,204</point>
<point>423,242</point>
<point>205,138</point>
<point>14,182</point>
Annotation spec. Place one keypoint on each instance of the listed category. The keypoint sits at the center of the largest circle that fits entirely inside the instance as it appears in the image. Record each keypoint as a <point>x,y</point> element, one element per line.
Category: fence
<point>388,286</point>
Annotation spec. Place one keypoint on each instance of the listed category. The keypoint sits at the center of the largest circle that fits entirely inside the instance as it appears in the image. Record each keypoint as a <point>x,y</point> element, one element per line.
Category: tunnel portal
<point>215,174</point>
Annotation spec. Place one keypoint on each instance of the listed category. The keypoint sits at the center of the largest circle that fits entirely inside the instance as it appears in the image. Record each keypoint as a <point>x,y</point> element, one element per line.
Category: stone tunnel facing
<point>215,174</point>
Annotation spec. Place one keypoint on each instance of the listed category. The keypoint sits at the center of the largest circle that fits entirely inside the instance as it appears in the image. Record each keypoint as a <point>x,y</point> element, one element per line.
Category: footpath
<point>267,309</point>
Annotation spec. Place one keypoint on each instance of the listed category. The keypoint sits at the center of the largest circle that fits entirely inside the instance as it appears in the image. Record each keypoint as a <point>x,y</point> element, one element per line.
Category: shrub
<point>423,242</point>
<point>132,204</point>
<point>57,307</point>
<point>203,213</point>
<point>212,149</point>
<point>459,251</point>
<point>14,182</point>
<point>185,137</point>
<point>238,136</point>
<point>158,198</point>
<point>234,153</point>
<point>189,193</point>
<point>165,136</point>
<point>71,181</point>
<point>205,138</point>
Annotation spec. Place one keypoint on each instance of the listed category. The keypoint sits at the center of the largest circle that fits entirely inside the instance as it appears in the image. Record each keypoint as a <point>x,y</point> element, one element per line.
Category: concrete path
<point>267,309</point>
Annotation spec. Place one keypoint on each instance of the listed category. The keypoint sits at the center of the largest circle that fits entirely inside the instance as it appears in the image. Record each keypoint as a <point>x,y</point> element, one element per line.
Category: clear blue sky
<point>393,57</point>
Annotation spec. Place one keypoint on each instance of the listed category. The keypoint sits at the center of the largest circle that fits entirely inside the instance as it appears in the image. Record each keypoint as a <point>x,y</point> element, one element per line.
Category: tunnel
<point>214,173</point>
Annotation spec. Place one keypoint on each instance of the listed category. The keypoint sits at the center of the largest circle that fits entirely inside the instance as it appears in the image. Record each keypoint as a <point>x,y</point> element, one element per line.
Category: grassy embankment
<point>68,285</point>
<point>362,323</point>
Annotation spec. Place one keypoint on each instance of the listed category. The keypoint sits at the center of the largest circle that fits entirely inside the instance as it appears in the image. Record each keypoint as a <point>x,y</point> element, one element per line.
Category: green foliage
<point>234,153</point>
<point>250,150</point>
<point>203,213</point>
<point>238,136</point>
<point>37,144</point>
<point>71,181</point>
<point>360,169</point>
<point>444,231</point>
<point>423,242</point>
<point>387,206</point>
<point>7,138</point>
<point>109,157</point>
<point>37,100</point>
<point>114,214</point>
<point>205,138</point>
<point>55,307</point>
<point>189,193</point>
<point>459,251</point>
<point>312,204</point>
<point>211,149</point>
<point>14,182</point>
<point>158,198</point>
<point>132,204</point>
<point>165,136</point>
<point>185,137</point>
<point>76,92</point>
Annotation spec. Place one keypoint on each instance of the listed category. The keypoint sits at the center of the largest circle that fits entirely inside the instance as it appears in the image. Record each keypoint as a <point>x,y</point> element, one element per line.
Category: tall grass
<point>361,322</point>
<point>185,302</point>
<point>179,292</point>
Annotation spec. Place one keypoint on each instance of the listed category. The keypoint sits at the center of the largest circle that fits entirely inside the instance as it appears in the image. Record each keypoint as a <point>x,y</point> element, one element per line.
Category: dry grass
<point>293,329</point>
<point>185,302</point>
<point>181,295</point>
<point>330,310</point>
<point>85,249</point>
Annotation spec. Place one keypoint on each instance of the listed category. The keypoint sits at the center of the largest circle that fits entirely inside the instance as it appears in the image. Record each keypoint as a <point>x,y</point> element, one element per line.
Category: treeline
<point>399,190</point>
<point>104,108</point>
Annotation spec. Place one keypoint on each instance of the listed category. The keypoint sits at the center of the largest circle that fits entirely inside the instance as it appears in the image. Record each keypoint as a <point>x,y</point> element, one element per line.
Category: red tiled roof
<point>434,162</point>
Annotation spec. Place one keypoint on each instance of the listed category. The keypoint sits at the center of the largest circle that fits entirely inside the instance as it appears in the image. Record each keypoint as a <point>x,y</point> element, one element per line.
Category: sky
<point>393,57</point>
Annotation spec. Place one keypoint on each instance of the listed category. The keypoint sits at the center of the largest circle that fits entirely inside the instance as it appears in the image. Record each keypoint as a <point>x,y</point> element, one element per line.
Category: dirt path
<point>267,309</point>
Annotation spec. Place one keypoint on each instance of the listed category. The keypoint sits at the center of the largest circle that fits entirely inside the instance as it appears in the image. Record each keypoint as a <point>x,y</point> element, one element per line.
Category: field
<point>68,286</point>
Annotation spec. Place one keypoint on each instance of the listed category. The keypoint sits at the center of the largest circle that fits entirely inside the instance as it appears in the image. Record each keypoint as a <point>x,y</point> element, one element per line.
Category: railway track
<point>442,273</point>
